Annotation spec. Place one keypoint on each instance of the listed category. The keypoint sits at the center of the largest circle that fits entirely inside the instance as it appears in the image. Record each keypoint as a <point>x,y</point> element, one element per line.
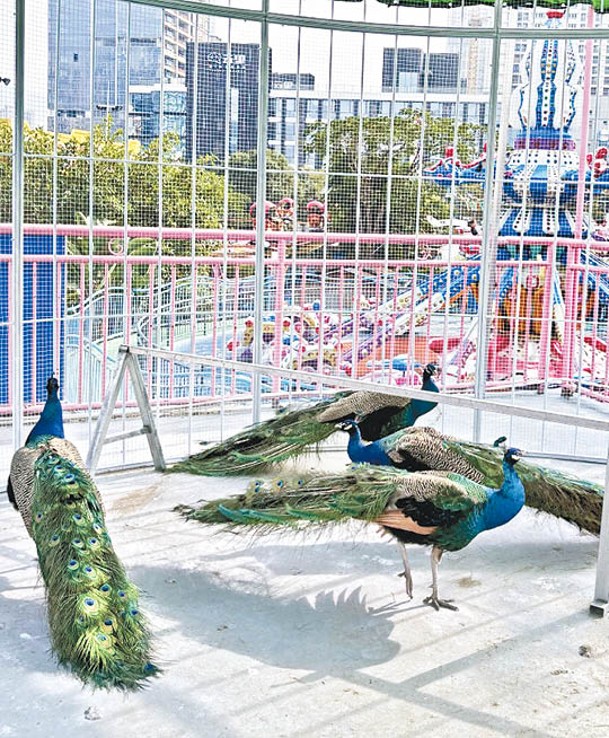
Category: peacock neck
<point>366,453</point>
<point>420,407</point>
<point>50,422</point>
<point>504,503</point>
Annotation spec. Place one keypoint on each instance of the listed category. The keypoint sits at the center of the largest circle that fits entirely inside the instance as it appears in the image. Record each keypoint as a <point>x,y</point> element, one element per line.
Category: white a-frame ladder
<point>127,362</point>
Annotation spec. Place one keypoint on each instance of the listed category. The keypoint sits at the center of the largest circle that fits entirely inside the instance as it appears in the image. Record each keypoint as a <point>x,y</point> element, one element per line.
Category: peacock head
<point>350,425</point>
<point>512,455</point>
<point>52,385</point>
<point>430,370</point>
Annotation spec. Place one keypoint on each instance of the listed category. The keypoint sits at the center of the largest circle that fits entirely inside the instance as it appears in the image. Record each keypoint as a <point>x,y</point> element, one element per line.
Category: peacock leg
<point>406,573</point>
<point>433,599</point>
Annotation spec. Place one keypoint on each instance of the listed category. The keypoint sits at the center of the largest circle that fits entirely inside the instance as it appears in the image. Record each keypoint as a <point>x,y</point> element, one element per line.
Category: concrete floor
<point>296,636</point>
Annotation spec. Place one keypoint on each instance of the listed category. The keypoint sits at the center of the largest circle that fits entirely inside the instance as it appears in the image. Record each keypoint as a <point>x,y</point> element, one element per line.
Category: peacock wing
<point>420,449</point>
<point>444,489</point>
<point>426,502</point>
<point>360,404</point>
<point>487,460</point>
<point>21,477</point>
<point>385,421</point>
<point>22,472</point>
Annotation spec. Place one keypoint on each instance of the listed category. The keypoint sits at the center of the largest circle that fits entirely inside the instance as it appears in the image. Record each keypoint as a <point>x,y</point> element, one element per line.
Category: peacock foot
<point>435,602</point>
<point>407,581</point>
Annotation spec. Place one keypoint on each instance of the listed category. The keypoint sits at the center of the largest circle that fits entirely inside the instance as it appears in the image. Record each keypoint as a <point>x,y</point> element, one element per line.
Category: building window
<point>289,107</point>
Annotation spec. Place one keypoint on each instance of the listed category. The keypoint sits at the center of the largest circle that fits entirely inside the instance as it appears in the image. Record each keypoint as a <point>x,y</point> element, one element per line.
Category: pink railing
<point>548,322</point>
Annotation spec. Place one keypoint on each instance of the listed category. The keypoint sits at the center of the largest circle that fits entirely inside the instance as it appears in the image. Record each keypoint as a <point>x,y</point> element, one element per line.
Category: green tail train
<point>97,630</point>
<point>559,494</point>
<point>361,493</point>
<point>290,434</point>
<point>255,449</point>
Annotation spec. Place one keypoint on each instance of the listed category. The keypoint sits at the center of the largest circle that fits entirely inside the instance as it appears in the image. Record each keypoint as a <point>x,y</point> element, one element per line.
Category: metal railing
<point>362,318</point>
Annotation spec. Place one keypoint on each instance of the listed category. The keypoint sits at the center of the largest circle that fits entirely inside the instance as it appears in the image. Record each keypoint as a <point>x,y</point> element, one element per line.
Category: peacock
<point>416,449</point>
<point>441,509</point>
<point>290,433</point>
<point>96,628</point>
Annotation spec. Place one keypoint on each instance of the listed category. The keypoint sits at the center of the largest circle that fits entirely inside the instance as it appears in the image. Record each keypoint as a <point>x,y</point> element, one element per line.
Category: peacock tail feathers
<point>294,500</point>
<point>22,472</point>
<point>96,627</point>
<point>379,414</point>
<point>363,493</point>
<point>272,441</point>
<point>576,500</point>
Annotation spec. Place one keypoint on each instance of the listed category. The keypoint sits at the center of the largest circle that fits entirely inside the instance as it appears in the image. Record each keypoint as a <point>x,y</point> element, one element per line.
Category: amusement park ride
<point>551,292</point>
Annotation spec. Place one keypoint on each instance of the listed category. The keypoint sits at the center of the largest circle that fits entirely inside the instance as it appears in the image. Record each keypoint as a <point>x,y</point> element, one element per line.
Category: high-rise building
<point>156,107</point>
<point>401,73</point>
<point>441,71</point>
<point>36,63</point>
<point>222,105</point>
<point>181,28</point>
<point>133,46</point>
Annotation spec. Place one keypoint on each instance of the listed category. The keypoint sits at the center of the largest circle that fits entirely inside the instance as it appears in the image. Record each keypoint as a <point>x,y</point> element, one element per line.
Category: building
<point>134,46</point>
<point>222,98</point>
<point>403,72</point>
<point>180,29</point>
<point>153,107</point>
<point>410,79</point>
<point>36,64</point>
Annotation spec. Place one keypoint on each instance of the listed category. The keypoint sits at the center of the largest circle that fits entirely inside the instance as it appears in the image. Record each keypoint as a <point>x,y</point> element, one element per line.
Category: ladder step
<point>127,434</point>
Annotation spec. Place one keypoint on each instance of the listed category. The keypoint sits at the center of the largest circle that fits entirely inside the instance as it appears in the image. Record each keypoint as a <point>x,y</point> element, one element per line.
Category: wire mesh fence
<point>432,192</point>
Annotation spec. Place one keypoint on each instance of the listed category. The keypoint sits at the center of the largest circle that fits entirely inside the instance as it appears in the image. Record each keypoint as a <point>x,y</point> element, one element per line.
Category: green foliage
<point>279,180</point>
<point>78,179</point>
<point>380,146</point>
<point>90,178</point>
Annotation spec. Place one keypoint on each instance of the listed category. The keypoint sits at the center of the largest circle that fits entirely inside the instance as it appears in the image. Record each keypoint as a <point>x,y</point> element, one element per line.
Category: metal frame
<point>16,317</point>
<point>600,605</point>
<point>263,15</point>
<point>127,363</point>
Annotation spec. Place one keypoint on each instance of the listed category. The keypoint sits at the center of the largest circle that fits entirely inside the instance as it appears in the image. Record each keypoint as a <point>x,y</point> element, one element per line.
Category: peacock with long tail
<point>440,509</point>
<point>291,433</point>
<point>416,449</point>
<point>97,630</point>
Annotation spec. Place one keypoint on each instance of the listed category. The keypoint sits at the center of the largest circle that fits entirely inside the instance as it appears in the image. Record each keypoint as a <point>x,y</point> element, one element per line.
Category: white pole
<point>601,589</point>
<point>263,87</point>
<point>489,239</point>
<point>17,243</point>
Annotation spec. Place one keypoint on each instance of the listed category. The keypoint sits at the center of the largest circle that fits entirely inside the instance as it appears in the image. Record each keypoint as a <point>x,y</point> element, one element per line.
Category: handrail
<point>469,402</point>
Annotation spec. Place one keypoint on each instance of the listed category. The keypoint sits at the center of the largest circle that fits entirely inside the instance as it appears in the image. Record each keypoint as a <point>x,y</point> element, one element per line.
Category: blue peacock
<point>291,433</point>
<point>417,449</point>
<point>97,630</point>
<point>440,509</point>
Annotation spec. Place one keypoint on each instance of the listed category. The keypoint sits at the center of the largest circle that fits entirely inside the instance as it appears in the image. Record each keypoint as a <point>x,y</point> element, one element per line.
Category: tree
<point>243,169</point>
<point>361,155</point>
<point>93,179</point>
